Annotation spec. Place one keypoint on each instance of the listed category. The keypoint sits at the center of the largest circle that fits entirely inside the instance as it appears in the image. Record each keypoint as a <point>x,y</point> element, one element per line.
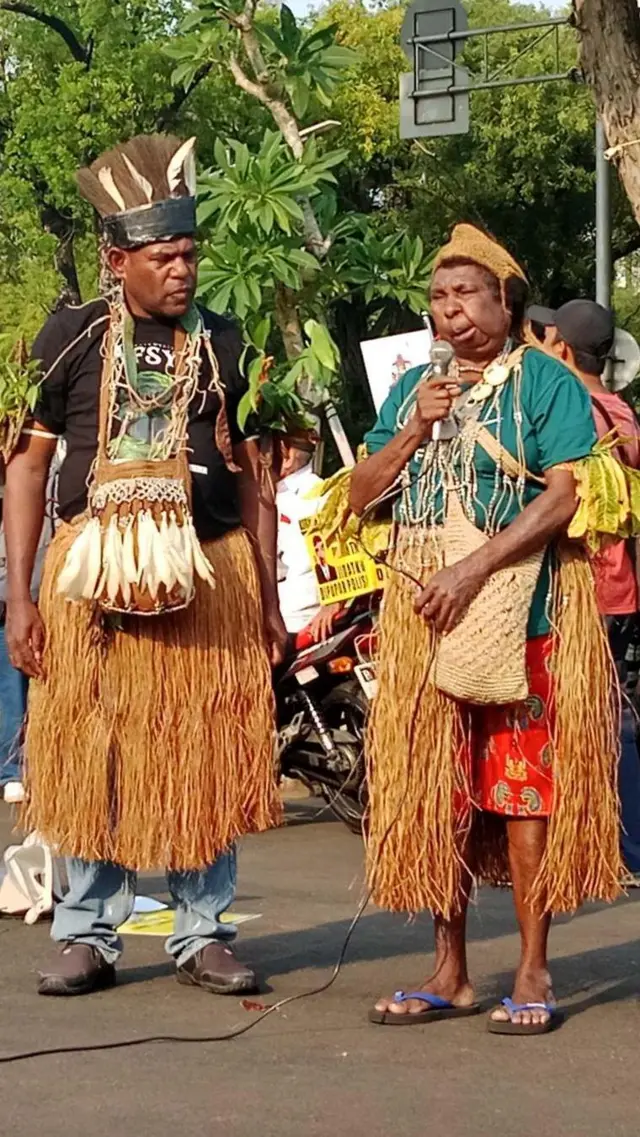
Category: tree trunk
<point>609,32</point>
<point>66,265</point>
<point>62,228</point>
<point>289,322</point>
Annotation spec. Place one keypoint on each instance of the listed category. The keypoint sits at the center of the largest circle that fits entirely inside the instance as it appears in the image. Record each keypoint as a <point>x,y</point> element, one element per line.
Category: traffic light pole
<point>603,220</point>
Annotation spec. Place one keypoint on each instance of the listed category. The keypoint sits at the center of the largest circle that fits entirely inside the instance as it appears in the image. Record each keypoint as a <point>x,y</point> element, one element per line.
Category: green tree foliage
<point>525,170</point>
<point>58,112</point>
<point>278,238</point>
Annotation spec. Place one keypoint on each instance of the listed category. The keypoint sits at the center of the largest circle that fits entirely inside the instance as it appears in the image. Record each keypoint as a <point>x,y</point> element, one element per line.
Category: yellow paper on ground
<point>163,923</point>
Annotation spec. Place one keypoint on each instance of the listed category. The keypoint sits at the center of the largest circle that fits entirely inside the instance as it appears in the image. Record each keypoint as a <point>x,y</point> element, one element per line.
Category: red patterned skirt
<point>511,751</point>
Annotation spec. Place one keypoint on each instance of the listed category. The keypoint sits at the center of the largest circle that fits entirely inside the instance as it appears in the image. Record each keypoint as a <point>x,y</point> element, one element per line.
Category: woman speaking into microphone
<point>492,743</point>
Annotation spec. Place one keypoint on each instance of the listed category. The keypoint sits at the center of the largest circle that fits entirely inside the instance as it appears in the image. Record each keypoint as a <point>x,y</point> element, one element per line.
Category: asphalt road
<point>317,1068</point>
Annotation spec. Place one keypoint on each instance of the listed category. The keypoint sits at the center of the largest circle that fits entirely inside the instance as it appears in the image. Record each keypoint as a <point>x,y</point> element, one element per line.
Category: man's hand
<point>276,635</point>
<point>321,627</point>
<point>447,596</point>
<point>24,634</point>
<point>434,401</point>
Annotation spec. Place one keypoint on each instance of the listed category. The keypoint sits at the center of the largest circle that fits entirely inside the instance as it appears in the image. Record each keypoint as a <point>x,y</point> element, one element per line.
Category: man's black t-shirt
<point>68,406</point>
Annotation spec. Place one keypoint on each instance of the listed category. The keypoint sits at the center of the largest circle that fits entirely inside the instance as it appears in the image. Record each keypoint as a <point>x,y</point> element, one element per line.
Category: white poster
<point>387,359</point>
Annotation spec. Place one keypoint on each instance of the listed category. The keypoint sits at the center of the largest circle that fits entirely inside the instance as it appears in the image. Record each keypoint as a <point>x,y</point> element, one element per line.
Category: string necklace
<point>451,463</point>
<point>170,395</point>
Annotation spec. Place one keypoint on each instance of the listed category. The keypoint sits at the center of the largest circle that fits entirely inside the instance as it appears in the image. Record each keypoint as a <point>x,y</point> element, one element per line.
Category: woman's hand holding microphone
<point>434,402</point>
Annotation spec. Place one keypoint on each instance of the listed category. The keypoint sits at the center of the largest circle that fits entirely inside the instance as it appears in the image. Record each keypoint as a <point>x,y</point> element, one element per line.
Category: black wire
<point>227,1036</point>
<point>379,558</point>
<point>237,1032</point>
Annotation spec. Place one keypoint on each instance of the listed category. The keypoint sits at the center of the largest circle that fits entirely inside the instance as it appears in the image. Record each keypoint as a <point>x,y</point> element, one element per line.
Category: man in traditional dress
<point>151,709</point>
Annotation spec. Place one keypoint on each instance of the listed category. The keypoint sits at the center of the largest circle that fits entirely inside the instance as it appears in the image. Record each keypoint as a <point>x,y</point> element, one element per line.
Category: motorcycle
<point>323,695</point>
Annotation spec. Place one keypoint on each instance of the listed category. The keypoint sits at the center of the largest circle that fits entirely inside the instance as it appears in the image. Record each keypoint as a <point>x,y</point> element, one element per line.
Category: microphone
<point>440,358</point>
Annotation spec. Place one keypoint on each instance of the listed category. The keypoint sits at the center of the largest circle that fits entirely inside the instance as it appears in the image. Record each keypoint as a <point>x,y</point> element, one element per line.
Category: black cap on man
<point>584,326</point>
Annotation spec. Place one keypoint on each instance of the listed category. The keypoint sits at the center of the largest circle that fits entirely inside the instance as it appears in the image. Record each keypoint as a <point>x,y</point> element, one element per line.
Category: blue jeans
<point>101,896</point>
<point>629,789</point>
<point>13,704</point>
<point>621,635</point>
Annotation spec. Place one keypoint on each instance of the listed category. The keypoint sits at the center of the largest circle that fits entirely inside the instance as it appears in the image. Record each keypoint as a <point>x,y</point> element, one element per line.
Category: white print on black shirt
<point>68,404</point>
<point>155,355</point>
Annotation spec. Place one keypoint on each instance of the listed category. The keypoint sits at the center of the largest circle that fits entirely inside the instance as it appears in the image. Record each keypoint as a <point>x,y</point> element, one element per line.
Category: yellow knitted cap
<point>471,244</point>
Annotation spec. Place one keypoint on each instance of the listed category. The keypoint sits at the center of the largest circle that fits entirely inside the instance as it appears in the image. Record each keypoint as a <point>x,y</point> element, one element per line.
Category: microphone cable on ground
<point>226,1036</point>
<point>239,1031</point>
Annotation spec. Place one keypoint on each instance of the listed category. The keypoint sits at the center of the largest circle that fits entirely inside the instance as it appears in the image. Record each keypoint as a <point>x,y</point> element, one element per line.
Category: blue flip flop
<point>495,1026</point>
<point>435,1010</point>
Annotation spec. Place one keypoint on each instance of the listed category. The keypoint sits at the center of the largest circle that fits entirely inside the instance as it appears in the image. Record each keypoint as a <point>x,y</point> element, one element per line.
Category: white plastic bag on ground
<point>32,881</point>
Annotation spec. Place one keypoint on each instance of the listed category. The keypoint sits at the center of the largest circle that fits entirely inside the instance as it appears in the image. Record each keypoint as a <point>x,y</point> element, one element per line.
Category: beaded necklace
<point>439,467</point>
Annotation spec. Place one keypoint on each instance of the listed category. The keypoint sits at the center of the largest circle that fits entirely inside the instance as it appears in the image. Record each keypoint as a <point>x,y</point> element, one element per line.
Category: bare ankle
<point>455,987</point>
<point>534,971</point>
<point>532,982</point>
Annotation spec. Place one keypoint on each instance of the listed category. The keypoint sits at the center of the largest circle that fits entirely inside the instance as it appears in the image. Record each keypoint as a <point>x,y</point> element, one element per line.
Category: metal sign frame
<point>446,85</point>
<point>434,96</point>
<point>429,105</point>
<point>488,81</point>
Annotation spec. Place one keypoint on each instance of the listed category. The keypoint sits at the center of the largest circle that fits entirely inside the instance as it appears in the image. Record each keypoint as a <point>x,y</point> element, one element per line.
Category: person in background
<point>304,618</point>
<point>13,704</point>
<point>13,683</point>
<point>581,334</point>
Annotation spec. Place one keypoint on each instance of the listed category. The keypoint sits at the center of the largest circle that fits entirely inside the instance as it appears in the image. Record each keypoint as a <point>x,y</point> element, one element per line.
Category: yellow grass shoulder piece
<point>608,494</point>
<point>338,524</point>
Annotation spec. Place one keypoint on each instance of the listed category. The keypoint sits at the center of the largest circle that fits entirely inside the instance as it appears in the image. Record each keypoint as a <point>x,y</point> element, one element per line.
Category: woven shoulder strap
<point>504,458</point>
<point>499,453</point>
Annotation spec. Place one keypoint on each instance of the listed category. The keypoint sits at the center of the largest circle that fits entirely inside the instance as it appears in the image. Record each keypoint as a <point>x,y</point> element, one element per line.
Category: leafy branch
<point>19,385</point>
<point>280,68</point>
<point>264,188</point>
<point>82,53</point>
<point>180,96</point>
<point>386,267</point>
<point>273,400</point>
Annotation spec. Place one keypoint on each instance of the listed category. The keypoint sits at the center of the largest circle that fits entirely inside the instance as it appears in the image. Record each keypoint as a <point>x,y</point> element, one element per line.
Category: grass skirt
<point>424,828</point>
<point>153,743</point>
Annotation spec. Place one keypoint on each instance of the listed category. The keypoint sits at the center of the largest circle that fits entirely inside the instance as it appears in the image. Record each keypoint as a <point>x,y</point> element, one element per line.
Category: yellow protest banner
<point>342,571</point>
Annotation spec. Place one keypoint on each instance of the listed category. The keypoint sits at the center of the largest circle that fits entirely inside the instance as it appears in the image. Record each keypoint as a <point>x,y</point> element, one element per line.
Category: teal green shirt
<point>557,426</point>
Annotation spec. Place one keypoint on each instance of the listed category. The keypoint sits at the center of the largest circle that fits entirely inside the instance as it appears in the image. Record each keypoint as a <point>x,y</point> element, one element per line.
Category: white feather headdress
<point>148,169</point>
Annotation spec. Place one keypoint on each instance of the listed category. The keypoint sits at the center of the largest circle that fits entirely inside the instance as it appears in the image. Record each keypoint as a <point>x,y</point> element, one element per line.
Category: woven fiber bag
<point>483,659</point>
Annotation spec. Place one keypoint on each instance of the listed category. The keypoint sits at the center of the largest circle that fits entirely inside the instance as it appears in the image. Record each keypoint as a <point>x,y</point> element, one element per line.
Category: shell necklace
<point>494,376</point>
